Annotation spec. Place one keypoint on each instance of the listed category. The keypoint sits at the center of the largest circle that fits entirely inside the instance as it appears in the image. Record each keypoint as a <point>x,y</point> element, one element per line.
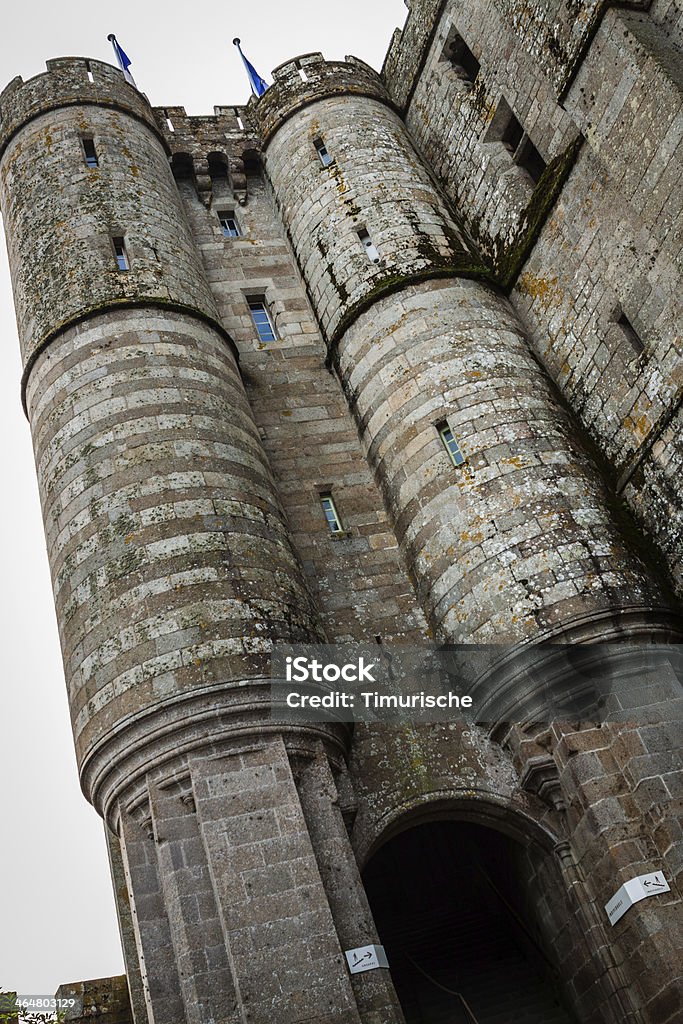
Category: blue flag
<point>258,84</point>
<point>123,59</point>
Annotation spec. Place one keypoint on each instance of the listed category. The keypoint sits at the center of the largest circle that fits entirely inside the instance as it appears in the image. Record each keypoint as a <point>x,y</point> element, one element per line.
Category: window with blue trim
<point>450,444</point>
<point>262,319</point>
<point>324,156</point>
<point>231,228</point>
<point>90,152</point>
<point>331,515</point>
<point>120,253</point>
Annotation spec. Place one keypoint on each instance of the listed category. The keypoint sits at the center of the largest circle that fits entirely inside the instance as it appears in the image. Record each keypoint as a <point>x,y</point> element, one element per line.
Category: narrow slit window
<point>231,228</point>
<point>369,246</point>
<point>120,253</point>
<point>262,319</point>
<point>302,74</point>
<point>90,152</point>
<point>631,335</point>
<point>169,122</point>
<point>461,58</point>
<point>323,154</point>
<point>331,515</point>
<point>88,71</point>
<point>450,444</point>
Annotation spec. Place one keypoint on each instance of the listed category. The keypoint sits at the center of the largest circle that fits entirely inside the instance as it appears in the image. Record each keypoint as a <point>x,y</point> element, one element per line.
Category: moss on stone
<point>510,260</point>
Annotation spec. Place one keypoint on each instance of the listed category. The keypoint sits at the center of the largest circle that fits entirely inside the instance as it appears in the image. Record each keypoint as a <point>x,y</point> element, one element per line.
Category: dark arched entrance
<point>451,903</point>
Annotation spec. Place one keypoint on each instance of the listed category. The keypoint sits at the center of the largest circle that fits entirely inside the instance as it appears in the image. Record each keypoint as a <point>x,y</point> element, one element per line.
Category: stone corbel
<point>203,178</point>
<point>540,777</point>
<point>238,180</point>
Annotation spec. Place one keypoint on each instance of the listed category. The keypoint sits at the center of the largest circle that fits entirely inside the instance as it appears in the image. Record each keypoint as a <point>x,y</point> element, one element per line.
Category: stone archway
<point>465,937</point>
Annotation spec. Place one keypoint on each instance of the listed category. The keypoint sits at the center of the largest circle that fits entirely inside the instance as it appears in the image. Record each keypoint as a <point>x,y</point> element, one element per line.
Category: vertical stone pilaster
<point>126,928</point>
<point>374,991</point>
<point>205,977</point>
<point>160,982</point>
<point>286,958</point>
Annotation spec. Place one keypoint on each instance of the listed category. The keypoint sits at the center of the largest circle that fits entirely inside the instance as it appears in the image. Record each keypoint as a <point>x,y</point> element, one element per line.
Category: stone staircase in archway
<point>482,958</point>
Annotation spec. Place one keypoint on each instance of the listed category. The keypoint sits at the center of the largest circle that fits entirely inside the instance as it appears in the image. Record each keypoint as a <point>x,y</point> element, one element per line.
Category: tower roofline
<point>70,81</point>
<point>305,80</point>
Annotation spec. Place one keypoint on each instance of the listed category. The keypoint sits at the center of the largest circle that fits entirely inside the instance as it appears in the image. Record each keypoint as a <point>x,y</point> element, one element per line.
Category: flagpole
<point>124,64</point>
<point>258,84</point>
<point>238,43</point>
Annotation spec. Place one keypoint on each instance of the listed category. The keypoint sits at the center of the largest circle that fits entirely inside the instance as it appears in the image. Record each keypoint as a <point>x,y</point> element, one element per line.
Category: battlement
<point>407,48</point>
<point>226,124</point>
<point>308,78</point>
<point>69,81</point>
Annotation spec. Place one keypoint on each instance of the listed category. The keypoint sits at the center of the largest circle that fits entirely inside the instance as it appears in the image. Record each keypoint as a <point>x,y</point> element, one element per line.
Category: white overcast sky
<point>57,917</point>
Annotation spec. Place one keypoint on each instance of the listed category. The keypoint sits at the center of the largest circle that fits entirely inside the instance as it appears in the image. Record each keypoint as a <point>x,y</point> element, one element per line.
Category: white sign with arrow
<point>634,891</point>
<point>366,958</point>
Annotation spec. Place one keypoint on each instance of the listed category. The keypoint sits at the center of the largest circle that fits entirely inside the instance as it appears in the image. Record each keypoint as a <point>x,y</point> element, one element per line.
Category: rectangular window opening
<point>262,319</point>
<point>450,444</point>
<point>120,253</point>
<point>302,74</point>
<point>321,149</point>
<point>90,152</point>
<point>460,57</point>
<point>169,122</point>
<point>331,515</point>
<point>368,244</point>
<point>240,122</point>
<point>228,221</point>
<point>631,335</point>
<point>88,71</point>
<point>507,129</point>
<point>512,135</point>
<point>528,157</point>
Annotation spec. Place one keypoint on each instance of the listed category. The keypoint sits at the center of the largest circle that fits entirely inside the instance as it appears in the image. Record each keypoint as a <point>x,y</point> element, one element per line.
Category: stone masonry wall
<point>360,584</point>
<point>599,289</point>
<point>181,462</point>
<point>324,208</point>
<point>451,118</point>
<point>611,251</point>
<point>518,541</point>
<point>403,374</point>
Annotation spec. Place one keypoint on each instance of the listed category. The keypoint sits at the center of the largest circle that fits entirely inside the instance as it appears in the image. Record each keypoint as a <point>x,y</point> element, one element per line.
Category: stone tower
<point>356,294</point>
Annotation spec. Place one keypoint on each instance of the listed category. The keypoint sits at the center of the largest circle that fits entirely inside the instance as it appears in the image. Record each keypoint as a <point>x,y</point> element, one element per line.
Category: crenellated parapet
<point>69,82</point>
<point>210,147</point>
<point>309,78</point>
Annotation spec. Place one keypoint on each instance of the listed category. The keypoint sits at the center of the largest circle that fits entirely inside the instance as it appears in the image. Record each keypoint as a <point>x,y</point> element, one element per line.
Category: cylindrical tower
<point>172,566</point>
<point>171,562</point>
<point>502,517</point>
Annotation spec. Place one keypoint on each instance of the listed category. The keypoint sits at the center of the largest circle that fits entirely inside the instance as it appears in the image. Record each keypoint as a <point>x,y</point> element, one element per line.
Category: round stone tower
<point>502,517</point>
<point>156,492</point>
<point>172,566</point>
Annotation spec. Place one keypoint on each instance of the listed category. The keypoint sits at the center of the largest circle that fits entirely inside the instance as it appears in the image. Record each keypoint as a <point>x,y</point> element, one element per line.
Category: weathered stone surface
<point>182,458</point>
<point>104,998</point>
